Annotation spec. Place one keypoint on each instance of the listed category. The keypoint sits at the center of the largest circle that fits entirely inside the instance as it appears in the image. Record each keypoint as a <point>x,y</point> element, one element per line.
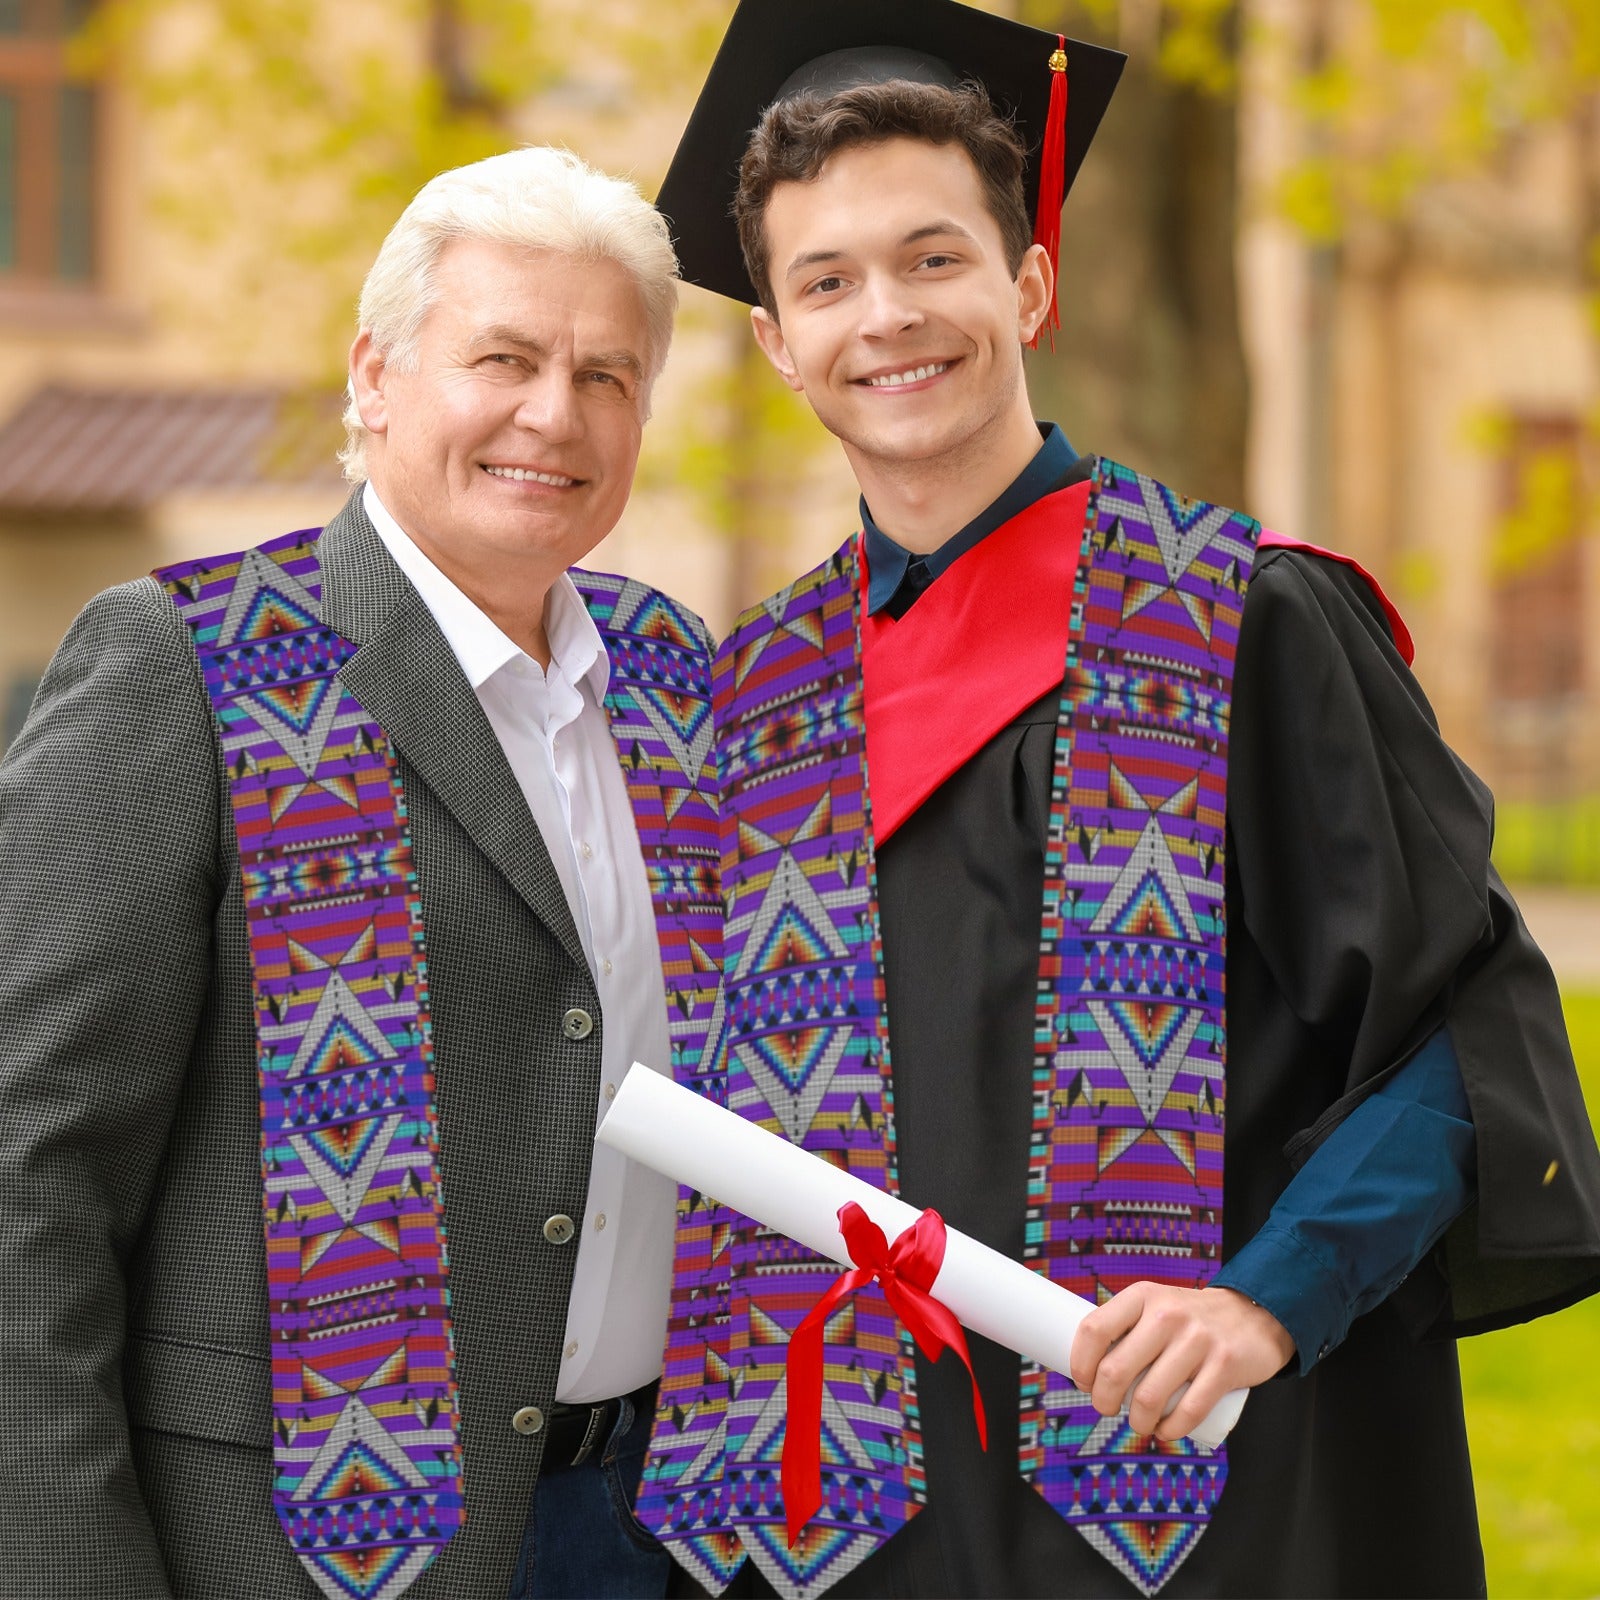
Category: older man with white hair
<point>340,880</point>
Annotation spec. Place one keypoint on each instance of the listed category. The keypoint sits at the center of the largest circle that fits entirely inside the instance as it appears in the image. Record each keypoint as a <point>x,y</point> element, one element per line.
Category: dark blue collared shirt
<point>1379,1192</point>
<point>898,577</point>
<point>1368,1205</point>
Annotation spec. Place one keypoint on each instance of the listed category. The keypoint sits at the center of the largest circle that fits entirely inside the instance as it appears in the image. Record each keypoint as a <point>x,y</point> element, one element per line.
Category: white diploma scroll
<point>678,1133</point>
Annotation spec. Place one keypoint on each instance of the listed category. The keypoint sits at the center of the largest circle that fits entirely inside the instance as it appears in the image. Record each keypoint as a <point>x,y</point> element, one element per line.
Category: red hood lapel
<point>979,646</point>
<point>1397,624</point>
<point>982,644</point>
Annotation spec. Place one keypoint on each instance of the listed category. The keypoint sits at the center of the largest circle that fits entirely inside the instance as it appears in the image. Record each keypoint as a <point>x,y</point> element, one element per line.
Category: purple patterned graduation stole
<point>367,1454</point>
<point>1126,1158</point>
<point>1125,1173</point>
<point>806,1057</point>
<point>659,702</point>
<point>368,1481</point>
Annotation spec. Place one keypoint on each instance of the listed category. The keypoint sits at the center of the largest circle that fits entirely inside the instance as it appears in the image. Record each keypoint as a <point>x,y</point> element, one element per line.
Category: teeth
<point>894,379</point>
<point>518,475</point>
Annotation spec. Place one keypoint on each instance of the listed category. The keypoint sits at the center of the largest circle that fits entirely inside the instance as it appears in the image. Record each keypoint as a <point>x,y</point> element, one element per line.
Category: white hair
<point>536,197</point>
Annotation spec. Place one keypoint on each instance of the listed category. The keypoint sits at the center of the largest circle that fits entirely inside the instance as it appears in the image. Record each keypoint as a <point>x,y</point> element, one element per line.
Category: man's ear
<point>774,347</point>
<point>367,372</point>
<point>1036,282</point>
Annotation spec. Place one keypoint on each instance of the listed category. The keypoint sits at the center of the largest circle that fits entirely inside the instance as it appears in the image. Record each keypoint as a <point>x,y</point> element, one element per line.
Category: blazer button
<point>577,1023</point>
<point>559,1229</point>
<point>530,1419</point>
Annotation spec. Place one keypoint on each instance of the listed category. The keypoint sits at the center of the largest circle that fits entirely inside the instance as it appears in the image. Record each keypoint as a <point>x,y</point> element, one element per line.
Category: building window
<point>1539,636</point>
<point>1538,566</point>
<point>48,136</point>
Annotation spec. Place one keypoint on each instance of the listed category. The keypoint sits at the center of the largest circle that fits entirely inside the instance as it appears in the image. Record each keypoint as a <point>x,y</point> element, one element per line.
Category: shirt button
<point>530,1419</point>
<point>611,1091</point>
<point>571,1350</point>
<point>607,968</point>
<point>600,1223</point>
<point>588,851</point>
<point>559,1229</point>
<point>577,1023</point>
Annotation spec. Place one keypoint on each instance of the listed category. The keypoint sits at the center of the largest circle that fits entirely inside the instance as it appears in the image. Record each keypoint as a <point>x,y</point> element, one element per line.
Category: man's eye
<point>826,285</point>
<point>501,358</point>
<point>606,377</point>
<point>938,261</point>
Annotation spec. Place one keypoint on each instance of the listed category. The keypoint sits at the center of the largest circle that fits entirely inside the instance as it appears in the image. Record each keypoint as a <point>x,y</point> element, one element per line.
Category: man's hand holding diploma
<point>1215,1340</point>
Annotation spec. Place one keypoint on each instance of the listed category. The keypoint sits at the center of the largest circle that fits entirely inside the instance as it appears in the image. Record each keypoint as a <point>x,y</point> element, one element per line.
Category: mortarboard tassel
<point>1052,182</point>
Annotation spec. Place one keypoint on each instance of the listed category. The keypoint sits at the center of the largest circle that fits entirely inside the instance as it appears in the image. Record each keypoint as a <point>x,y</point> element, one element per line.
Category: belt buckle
<point>590,1434</point>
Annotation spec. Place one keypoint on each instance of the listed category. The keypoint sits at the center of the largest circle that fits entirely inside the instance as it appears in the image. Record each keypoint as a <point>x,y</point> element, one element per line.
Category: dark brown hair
<point>796,137</point>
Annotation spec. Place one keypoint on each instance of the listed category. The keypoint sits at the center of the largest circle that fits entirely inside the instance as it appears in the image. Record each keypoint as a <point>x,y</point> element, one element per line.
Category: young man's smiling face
<point>898,315</point>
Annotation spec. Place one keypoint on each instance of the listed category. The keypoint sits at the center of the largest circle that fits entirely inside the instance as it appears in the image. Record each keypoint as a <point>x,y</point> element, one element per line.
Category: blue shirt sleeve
<point>1367,1206</point>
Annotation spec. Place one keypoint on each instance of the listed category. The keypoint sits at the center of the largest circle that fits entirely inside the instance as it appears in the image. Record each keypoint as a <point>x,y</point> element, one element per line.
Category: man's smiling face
<point>898,315</point>
<point>514,436</point>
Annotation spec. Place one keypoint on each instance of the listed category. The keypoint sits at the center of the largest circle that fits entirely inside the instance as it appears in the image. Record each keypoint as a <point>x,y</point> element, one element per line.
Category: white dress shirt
<point>553,728</point>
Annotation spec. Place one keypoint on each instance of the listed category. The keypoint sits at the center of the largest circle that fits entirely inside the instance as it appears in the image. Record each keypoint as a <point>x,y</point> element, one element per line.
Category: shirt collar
<point>887,561</point>
<point>575,642</point>
<point>476,640</point>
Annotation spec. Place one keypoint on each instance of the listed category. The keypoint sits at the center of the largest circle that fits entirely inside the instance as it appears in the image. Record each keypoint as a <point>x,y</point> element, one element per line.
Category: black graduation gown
<point>1362,911</point>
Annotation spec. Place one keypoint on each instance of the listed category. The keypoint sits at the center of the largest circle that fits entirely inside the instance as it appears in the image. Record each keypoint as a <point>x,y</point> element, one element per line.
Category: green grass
<point>1548,841</point>
<point>1533,1415</point>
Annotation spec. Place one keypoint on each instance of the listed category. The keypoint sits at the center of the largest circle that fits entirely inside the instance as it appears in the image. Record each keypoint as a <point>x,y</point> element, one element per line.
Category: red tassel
<point>1052,183</point>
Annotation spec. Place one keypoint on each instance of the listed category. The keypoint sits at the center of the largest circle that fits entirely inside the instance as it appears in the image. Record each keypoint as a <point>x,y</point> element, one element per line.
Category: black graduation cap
<point>777,48</point>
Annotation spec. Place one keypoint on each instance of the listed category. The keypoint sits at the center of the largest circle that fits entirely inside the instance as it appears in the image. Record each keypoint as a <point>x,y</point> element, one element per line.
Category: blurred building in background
<point>188,200</point>
<point>1426,396</point>
<point>122,445</point>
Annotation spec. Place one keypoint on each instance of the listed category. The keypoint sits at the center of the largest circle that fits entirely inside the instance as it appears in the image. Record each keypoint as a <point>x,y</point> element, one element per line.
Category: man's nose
<point>888,307</point>
<point>549,405</point>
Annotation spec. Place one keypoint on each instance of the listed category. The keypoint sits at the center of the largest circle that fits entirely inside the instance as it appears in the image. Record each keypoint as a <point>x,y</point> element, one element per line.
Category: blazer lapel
<point>405,674</point>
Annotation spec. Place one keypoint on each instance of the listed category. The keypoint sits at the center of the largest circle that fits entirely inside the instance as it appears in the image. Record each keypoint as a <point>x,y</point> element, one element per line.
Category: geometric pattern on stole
<point>1125,1178</point>
<point>806,1057</point>
<point>367,1457</point>
<point>659,706</point>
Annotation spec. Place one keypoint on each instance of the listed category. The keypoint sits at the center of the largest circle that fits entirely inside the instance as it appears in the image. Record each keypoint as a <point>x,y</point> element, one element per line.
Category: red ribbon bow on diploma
<point>906,1269</point>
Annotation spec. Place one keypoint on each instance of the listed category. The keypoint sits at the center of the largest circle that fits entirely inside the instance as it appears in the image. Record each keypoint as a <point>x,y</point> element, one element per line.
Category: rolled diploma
<point>682,1135</point>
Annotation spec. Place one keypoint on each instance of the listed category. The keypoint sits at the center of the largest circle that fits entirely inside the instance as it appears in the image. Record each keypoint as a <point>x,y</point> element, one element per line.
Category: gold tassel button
<point>1058,62</point>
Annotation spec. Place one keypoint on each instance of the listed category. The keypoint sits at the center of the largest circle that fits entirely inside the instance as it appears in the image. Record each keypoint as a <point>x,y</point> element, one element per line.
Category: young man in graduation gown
<point>1096,876</point>
<point>342,878</point>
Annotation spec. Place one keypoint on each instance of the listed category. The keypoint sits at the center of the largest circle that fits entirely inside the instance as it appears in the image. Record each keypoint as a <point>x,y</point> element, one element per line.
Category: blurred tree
<point>745,447</point>
<point>1396,100</point>
<point>291,133</point>
<point>1403,95</point>
<point>1406,107</point>
<point>328,117</point>
<point>1149,309</point>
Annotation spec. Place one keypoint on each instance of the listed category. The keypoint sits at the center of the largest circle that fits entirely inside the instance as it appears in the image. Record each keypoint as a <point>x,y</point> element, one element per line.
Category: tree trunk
<point>1148,367</point>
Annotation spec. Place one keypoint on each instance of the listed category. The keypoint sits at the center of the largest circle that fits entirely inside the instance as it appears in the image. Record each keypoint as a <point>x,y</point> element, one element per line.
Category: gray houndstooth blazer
<point>136,1449</point>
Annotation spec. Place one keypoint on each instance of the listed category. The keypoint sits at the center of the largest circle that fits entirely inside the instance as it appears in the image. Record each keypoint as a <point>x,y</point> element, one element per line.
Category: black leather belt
<point>575,1433</point>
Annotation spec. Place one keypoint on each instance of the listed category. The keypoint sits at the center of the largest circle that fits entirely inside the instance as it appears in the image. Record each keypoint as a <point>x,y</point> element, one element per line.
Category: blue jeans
<point>582,1541</point>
